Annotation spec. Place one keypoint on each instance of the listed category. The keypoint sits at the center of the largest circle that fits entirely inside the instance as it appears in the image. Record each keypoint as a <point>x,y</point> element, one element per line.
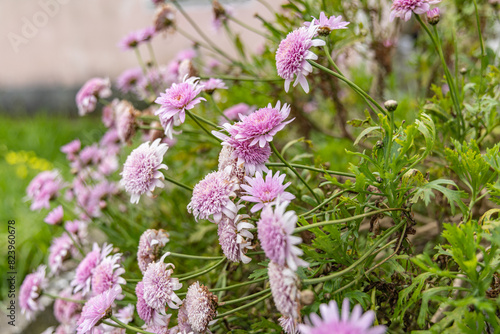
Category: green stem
<point>195,119</point>
<point>133,329</point>
<point>243,307</point>
<point>328,200</point>
<point>211,98</point>
<point>75,243</point>
<point>203,271</point>
<point>275,150</point>
<point>319,170</point>
<point>63,298</point>
<point>356,88</point>
<point>234,301</point>
<point>246,26</point>
<point>238,285</point>
<point>345,220</point>
<point>152,53</point>
<point>169,179</point>
<point>185,256</point>
<point>246,78</point>
<point>359,261</point>
<point>147,127</point>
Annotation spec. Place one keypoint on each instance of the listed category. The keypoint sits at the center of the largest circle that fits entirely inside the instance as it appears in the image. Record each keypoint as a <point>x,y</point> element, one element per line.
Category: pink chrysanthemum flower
<point>211,197</point>
<point>284,288</point>
<point>62,248</point>
<point>212,84</point>
<point>262,191</point>
<point>334,322</point>
<point>201,307</point>
<point>146,312</point>
<point>128,80</point>
<point>141,173</point>
<point>238,153</point>
<point>30,291</point>
<point>106,275</point>
<point>67,312</point>
<point>404,8</point>
<point>71,149</point>
<point>150,244</point>
<point>275,232</point>
<point>97,309</point>
<point>146,34</point>
<point>179,98</point>
<point>83,274</point>
<point>92,90</point>
<point>241,108</point>
<point>183,325</point>
<point>261,126</point>
<point>326,25</point>
<point>43,188</point>
<point>234,237</point>
<point>159,286</point>
<point>293,54</point>
<point>55,216</point>
<point>130,41</point>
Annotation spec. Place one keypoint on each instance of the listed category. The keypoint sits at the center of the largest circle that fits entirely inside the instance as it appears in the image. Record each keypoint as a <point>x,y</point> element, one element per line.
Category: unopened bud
<point>463,70</point>
<point>433,16</point>
<point>306,297</point>
<point>391,105</point>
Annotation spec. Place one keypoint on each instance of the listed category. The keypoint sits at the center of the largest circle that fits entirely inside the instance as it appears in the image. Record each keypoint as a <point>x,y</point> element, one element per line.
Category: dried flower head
<point>293,54</point>
<point>201,306</point>
<point>164,18</point>
<point>30,291</point>
<point>125,114</point>
<point>275,232</point>
<point>263,191</point>
<point>234,237</point>
<point>141,173</point>
<point>150,244</point>
<point>334,322</point>
<point>289,325</point>
<point>159,286</point>
<point>211,197</point>
<point>404,8</point>
<point>284,287</point>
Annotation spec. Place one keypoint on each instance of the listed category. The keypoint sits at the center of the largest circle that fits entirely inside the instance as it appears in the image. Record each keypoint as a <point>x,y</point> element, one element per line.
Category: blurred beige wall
<point>65,42</point>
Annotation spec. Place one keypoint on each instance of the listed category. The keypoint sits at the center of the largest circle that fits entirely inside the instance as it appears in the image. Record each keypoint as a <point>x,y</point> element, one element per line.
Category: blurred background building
<point>49,48</point>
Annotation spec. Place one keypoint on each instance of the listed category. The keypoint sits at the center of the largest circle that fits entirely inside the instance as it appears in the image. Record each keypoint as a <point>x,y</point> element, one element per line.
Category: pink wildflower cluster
<point>90,93</point>
<point>44,188</point>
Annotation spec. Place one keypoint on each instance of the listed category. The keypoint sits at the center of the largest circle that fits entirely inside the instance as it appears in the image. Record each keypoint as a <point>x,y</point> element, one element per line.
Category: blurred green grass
<point>29,145</point>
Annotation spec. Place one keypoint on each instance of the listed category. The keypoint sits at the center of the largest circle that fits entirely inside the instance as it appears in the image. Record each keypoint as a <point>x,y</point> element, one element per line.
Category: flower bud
<point>433,16</point>
<point>306,297</point>
<point>391,105</point>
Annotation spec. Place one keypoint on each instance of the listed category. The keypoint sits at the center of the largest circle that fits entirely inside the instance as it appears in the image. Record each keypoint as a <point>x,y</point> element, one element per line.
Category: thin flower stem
<point>203,45</point>
<point>152,54</point>
<point>141,62</point>
<point>359,261</point>
<point>319,170</point>
<point>345,220</point>
<point>246,26</point>
<point>330,59</point>
<point>243,306</point>
<point>169,179</point>
<point>242,299</point>
<point>238,285</point>
<point>449,79</point>
<point>206,121</point>
<point>149,118</point>
<point>64,298</point>
<point>265,4</point>
<point>211,98</point>
<point>200,31</point>
<point>228,77</point>
<point>195,119</point>
<point>356,88</point>
<point>328,200</point>
<point>147,127</point>
<point>134,329</point>
<point>75,243</point>
<point>186,256</point>
<point>275,150</point>
<point>209,269</point>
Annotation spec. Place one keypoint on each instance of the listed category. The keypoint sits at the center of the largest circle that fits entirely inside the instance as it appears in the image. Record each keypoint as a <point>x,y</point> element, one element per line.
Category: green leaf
<point>454,197</point>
